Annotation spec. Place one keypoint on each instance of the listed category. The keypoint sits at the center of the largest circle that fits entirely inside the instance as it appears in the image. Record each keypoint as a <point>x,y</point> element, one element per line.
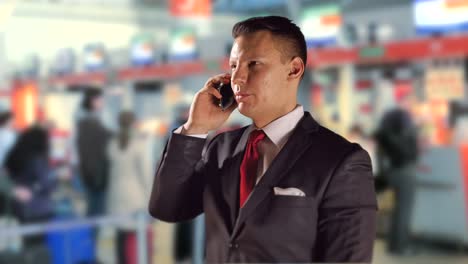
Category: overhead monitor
<point>321,25</point>
<point>432,17</point>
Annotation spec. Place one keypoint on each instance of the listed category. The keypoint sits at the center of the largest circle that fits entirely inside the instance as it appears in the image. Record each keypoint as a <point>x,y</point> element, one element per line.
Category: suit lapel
<point>230,184</point>
<point>298,142</point>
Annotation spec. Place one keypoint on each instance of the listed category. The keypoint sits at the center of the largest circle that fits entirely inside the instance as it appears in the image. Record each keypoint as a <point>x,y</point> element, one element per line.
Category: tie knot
<point>256,136</point>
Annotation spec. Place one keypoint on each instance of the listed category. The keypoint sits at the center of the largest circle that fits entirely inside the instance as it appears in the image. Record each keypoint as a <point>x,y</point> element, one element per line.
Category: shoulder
<point>322,138</point>
<point>333,140</point>
<point>226,139</point>
<point>332,147</point>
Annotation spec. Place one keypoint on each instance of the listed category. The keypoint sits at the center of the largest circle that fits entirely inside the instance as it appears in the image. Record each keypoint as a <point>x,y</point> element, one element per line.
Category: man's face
<point>259,76</point>
<point>98,103</point>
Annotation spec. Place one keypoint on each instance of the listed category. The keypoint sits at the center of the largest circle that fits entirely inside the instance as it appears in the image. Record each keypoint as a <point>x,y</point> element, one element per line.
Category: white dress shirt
<point>277,134</point>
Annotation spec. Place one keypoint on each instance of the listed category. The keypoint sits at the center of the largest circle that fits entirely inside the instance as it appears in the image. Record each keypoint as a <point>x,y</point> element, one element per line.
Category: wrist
<point>189,129</point>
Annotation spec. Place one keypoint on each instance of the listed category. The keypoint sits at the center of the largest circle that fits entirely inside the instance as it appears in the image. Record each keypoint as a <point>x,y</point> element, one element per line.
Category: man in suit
<point>283,189</point>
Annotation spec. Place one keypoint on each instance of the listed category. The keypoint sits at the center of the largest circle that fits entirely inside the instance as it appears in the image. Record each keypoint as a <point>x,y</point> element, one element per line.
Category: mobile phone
<point>227,98</point>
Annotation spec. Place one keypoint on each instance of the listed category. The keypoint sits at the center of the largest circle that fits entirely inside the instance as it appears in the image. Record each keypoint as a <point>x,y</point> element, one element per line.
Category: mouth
<point>241,97</point>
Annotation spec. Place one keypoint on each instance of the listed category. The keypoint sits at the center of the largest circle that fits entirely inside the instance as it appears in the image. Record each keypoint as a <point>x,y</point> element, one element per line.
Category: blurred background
<point>91,89</point>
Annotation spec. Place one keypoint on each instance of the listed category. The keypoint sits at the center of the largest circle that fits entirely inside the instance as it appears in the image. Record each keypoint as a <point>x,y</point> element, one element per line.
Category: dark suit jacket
<point>92,141</point>
<point>335,222</point>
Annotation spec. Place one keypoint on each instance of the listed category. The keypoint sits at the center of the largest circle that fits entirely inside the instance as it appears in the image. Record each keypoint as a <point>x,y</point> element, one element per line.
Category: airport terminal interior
<point>135,66</point>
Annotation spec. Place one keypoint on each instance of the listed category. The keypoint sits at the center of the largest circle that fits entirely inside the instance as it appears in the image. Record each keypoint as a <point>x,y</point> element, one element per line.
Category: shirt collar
<point>279,130</point>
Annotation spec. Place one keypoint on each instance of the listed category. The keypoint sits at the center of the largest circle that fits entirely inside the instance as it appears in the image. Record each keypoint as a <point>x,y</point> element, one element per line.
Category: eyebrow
<point>248,59</point>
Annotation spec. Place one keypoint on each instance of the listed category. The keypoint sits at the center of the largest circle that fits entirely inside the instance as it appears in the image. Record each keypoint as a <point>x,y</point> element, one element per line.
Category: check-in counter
<point>440,206</point>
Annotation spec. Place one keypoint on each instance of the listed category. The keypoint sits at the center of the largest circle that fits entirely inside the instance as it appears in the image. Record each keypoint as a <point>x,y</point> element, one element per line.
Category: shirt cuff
<point>181,131</point>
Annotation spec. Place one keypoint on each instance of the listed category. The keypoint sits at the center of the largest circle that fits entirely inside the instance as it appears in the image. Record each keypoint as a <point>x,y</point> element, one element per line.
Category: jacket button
<point>230,245</point>
<point>236,245</point>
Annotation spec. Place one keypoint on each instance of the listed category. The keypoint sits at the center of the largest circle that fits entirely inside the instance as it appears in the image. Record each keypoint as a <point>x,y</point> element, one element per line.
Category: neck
<point>263,121</point>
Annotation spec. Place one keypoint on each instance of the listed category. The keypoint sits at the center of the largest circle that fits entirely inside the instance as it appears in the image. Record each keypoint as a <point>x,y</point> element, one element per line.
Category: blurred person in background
<point>28,165</point>
<point>280,190</point>
<point>7,134</point>
<point>356,134</point>
<point>397,154</point>
<point>460,131</point>
<point>92,140</point>
<point>130,179</point>
<point>8,189</point>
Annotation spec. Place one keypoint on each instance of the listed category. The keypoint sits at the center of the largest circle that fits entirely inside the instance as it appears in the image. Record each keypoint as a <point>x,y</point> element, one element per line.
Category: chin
<point>245,110</point>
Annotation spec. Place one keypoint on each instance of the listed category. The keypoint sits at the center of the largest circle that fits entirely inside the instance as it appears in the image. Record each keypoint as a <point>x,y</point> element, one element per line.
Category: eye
<point>253,63</point>
<point>232,66</point>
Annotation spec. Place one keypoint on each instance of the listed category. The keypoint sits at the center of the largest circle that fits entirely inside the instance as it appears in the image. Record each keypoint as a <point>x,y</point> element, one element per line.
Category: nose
<point>238,78</point>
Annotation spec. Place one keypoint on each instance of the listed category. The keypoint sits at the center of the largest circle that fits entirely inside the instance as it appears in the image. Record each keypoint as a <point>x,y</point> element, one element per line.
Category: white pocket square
<point>288,191</point>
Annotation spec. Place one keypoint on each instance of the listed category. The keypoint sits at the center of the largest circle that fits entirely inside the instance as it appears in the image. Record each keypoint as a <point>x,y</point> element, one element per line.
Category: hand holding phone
<point>211,106</point>
<point>227,96</point>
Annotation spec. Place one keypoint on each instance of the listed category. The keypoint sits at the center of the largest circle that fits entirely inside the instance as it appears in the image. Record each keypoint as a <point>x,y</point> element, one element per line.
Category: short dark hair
<point>31,144</point>
<point>278,26</point>
<point>90,93</point>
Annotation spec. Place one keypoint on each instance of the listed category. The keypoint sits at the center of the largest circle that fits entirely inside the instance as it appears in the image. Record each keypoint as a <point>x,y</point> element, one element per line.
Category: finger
<point>226,78</point>
<point>213,91</point>
<point>217,79</point>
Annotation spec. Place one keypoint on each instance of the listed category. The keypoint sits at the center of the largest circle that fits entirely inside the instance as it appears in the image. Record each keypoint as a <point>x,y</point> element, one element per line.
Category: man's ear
<point>296,68</point>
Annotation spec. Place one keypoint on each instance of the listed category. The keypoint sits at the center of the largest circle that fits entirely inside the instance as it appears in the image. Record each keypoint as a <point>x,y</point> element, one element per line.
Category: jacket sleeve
<point>347,213</point>
<point>177,193</point>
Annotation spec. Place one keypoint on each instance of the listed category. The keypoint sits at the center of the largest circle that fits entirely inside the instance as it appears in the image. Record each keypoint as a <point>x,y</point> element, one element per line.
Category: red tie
<point>249,165</point>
